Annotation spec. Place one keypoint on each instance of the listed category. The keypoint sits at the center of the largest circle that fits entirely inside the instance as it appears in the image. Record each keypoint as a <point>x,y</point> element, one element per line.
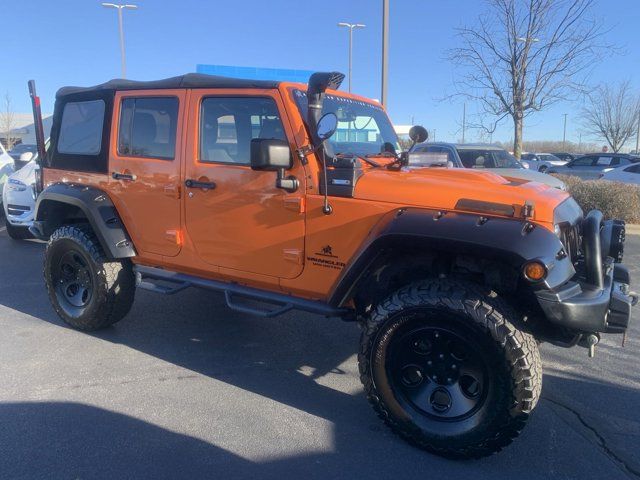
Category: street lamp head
<point>524,39</point>
<point>120,6</point>
<point>351,25</point>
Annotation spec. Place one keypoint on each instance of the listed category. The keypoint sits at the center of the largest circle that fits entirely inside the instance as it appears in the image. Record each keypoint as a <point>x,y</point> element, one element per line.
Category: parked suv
<point>295,196</point>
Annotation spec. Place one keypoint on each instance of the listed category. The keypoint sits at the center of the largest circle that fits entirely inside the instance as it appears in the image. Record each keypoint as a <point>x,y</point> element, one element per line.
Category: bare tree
<point>611,113</point>
<point>7,121</point>
<point>524,55</point>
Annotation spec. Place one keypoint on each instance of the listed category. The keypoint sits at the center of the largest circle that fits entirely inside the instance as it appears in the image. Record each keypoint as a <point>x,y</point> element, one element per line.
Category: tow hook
<point>591,341</point>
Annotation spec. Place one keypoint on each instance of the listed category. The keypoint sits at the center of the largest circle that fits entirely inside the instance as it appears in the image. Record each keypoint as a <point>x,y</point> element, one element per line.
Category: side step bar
<point>173,282</point>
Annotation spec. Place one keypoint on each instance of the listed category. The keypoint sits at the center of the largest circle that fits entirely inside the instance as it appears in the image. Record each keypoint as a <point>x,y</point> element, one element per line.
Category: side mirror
<point>327,126</point>
<point>270,154</point>
<point>418,134</point>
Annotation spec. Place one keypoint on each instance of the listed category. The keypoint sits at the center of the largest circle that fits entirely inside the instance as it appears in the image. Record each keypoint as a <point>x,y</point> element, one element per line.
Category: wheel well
<point>54,214</point>
<point>390,271</point>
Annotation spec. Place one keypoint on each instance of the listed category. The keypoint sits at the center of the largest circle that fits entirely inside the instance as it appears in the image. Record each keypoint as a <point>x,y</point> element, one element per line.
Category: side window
<point>582,162</point>
<point>148,127</point>
<point>604,161</point>
<point>227,126</point>
<point>475,158</point>
<point>633,168</point>
<point>81,128</point>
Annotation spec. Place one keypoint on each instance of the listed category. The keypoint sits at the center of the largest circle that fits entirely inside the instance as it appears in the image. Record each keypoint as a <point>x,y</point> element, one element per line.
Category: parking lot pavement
<point>185,388</point>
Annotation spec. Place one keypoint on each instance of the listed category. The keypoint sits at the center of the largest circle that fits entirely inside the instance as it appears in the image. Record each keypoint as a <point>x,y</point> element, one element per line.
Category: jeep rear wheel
<point>86,290</point>
<point>443,365</point>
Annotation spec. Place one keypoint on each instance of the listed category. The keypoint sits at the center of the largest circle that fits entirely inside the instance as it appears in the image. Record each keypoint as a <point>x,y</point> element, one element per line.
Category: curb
<point>632,229</point>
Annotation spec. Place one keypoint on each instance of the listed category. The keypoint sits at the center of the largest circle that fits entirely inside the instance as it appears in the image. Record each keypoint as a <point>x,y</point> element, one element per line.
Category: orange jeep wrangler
<point>287,197</point>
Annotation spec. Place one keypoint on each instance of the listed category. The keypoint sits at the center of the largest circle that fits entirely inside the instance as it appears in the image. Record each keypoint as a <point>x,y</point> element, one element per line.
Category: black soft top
<point>190,80</point>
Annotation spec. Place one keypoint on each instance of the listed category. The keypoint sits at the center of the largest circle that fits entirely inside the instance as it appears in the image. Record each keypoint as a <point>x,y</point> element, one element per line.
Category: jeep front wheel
<point>86,290</point>
<point>443,365</point>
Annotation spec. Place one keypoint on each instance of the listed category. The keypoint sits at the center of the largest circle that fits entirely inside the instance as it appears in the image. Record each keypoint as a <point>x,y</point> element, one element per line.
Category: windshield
<point>482,158</point>
<point>363,128</point>
<point>547,157</point>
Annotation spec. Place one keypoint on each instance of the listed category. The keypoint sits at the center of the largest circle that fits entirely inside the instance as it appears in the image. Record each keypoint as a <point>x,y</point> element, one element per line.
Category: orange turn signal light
<point>535,271</point>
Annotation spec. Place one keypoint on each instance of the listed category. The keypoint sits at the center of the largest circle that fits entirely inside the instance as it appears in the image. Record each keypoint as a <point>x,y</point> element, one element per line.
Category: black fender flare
<point>96,206</point>
<point>511,240</point>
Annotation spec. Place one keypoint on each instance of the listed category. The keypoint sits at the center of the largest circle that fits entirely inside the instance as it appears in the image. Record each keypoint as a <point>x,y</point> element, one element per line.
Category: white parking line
<point>3,229</point>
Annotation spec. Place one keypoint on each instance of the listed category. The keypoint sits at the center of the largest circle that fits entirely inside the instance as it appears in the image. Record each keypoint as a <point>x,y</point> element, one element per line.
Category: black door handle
<point>123,176</point>
<point>197,184</point>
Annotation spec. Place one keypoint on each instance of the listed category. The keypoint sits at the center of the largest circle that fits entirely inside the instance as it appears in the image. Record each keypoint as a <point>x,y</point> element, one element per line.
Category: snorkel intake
<point>318,84</point>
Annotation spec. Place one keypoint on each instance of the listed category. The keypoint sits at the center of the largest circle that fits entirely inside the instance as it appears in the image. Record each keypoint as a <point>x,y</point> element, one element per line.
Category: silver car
<point>590,167</point>
<point>541,161</point>
<point>487,157</point>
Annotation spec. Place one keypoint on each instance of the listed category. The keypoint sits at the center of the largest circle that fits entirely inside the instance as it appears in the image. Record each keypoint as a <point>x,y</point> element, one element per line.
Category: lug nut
<point>441,356</point>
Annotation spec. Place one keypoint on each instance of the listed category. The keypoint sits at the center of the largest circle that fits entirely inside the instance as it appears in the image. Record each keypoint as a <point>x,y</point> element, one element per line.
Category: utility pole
<point>564,134</point>
<point>580,143</point>
<point>638,136</point>
<point>120,7</point>
<point>351,26</point>
<point>385,50</point>
<point>464,119</point>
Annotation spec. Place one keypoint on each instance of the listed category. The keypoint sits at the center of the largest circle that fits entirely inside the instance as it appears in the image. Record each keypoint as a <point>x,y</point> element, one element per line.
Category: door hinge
<point>303,152</point>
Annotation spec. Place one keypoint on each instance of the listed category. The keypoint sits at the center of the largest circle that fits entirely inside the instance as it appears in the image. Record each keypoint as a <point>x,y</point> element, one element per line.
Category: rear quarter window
<point>81,128</point>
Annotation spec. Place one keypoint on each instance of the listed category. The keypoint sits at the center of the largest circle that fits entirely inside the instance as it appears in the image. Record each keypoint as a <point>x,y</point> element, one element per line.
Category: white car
<point>6,167</point>
<point>19,199</point>
<point>625,174</point>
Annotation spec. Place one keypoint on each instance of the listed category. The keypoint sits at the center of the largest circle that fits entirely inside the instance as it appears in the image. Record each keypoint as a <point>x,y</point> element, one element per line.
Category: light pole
<point>120,7</point>
<point>638,136</point>
<point>564,134</point>
<point>350,26</point>
<point>385,50</point>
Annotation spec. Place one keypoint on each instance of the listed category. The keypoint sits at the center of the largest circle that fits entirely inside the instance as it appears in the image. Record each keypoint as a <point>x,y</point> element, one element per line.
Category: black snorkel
<point>319,82</point>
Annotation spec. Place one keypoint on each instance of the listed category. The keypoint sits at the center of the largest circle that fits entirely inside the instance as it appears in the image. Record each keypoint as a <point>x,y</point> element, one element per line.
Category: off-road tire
<point>513,356</point>
<point>17,233</point>
<point>112,283</point>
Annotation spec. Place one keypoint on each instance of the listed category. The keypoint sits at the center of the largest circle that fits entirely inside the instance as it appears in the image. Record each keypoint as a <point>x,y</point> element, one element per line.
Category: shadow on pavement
<point>282,359</point>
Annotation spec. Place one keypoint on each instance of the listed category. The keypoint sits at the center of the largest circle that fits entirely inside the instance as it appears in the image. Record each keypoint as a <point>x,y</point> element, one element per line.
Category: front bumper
<point>580,306</point>
<point>598,299</point>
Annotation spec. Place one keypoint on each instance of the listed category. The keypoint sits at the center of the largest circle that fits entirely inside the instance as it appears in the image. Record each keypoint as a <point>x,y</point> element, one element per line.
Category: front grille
<point>571,238</point>
<point>17,209</point>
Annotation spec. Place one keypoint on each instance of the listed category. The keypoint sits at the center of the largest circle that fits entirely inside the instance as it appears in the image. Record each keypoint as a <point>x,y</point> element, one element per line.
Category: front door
<point>144,164</point>
<point>235,217</point>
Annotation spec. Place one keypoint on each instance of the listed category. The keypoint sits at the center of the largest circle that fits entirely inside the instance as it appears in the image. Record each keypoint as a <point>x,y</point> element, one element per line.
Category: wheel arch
<point>63,203</point>
<point>411,234</point>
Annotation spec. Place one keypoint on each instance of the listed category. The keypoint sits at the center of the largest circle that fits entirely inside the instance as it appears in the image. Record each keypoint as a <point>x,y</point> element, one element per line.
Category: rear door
<point>235,217</point>
<point>145,159</point>
<point>579,167</point>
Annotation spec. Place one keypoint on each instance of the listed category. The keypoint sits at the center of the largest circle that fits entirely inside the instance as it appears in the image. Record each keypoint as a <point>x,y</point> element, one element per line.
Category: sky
<point>75,42</point>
